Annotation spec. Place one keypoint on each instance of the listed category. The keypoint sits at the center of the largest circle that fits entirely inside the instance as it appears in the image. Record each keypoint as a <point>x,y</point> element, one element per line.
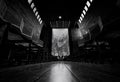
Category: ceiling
<point>72,8</point>
<point>68,9</point>
<point>108,10</point>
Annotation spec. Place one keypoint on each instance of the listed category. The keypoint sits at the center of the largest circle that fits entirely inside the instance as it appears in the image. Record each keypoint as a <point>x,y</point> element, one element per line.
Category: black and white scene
<point>59,40</point>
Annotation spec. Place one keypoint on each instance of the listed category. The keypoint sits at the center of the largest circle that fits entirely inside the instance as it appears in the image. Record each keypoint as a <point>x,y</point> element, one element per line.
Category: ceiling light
<point>88,3</point>
<point>29,1</point>
<point>86,9</point>
<point>91,0</point>
<point>84,12</point>
<point>60,17</point>
<point>36,13</point>
<point>38,17</point>
<point>32,5</point>
<point>34,10</point>
<point>41,22</point>
<point>81,18</point>
<point>82,15</point>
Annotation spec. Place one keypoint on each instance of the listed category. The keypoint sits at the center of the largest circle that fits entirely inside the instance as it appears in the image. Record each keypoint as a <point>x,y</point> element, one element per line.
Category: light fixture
<point>82,15</point>
<point>84,12</point>
<point>38,17</point>
<point>91,0</point>
<point>36,13</point>
<point>60,17</point>
<point>88,3</point>
<point>81,18</point>
<point>41,22</point>
<point>32,5</point>
<point>86,9</point>
<point>29,1</point>
<point>34,10</point>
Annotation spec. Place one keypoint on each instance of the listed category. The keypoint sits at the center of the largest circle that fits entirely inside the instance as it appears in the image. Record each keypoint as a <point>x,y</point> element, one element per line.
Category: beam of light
<point>82,15</point>
<point>36,13</point>
<point>84,12</point>
<point>100,23</point>
<point>88,3</point>
<point>32,5</point>
<point>80,34</point>
<point>34,10</point>
<point>29,1</point>
<point>60,73</point>
<point>77,34</point>
<point>86,9</point>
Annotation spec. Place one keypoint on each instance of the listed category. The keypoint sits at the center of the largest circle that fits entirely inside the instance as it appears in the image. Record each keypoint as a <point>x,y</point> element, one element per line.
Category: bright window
<point>60,42</point>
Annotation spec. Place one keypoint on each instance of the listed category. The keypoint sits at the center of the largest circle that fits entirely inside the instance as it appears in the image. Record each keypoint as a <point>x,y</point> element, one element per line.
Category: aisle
<point>61,72</point>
